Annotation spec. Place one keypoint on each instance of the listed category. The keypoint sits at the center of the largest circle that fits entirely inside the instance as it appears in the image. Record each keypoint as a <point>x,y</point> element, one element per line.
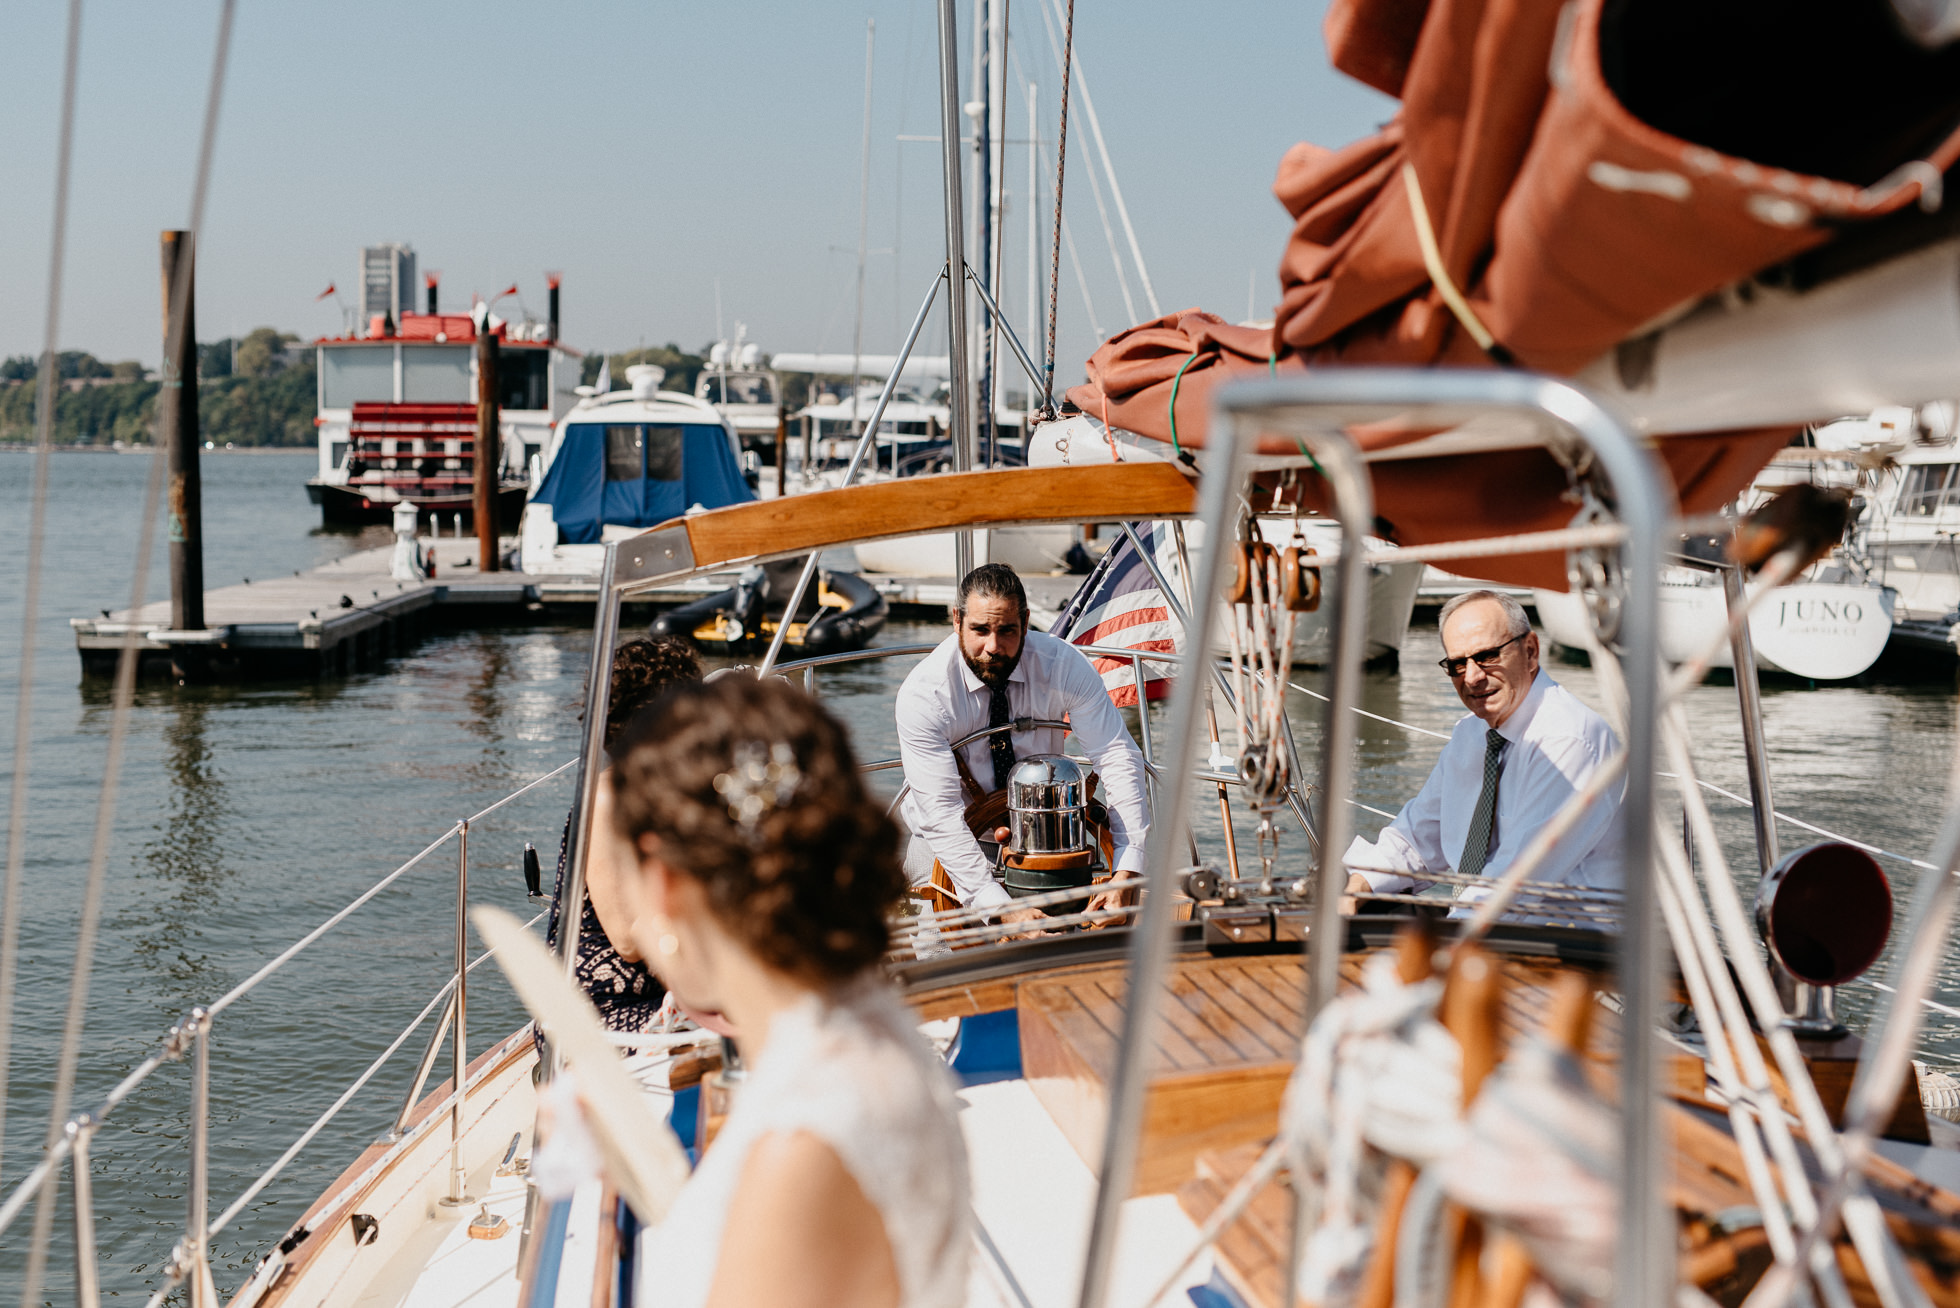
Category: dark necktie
<point>1000,746</point>
<point>1476,845</point>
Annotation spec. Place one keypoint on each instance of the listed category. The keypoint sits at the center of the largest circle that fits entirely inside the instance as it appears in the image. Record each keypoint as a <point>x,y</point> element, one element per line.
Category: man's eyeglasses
<point>1485,658</point>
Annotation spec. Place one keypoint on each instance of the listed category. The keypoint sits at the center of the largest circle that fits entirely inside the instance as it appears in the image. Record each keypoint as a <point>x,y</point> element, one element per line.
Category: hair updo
<point>642,670</point>
<point>808,880</point>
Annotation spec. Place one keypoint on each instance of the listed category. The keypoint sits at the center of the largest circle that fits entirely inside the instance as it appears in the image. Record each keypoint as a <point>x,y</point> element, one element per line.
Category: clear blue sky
<point>646,150</point>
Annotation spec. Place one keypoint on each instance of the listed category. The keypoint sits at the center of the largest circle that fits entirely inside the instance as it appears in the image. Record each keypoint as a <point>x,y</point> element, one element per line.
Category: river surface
<point>248,815</point>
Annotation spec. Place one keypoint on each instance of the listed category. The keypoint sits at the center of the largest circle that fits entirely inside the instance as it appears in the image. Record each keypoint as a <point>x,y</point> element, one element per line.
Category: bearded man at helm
<point>989,672</point>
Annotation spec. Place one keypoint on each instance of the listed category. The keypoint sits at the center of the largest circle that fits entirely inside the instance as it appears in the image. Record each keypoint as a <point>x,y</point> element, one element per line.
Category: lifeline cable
<point>125,694</point>
<point>45,387</point>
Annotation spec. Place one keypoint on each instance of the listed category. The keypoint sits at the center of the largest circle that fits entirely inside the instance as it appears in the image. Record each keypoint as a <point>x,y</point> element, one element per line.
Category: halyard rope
<point>124,698</point>
<point>47,387</point>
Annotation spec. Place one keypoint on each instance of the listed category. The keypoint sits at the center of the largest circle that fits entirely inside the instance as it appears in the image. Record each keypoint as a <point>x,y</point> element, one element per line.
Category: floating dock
<point>353,615</point>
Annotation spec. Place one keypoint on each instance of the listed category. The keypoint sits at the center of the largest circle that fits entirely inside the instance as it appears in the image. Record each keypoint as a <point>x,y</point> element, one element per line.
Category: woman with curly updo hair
<point>609,967</point>
<point>765,876</point>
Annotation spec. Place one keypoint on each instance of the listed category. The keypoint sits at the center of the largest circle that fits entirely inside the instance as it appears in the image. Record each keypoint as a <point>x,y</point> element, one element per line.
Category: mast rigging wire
<point>125,694</point>
<point>1055,246</point>
<point>47,385</point>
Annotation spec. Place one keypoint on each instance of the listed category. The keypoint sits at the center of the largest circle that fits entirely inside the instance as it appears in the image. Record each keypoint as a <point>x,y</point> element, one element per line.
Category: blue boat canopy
<point>637,474</point>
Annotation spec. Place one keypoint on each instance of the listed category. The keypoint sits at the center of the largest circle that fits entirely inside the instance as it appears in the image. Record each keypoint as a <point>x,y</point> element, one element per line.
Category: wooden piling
<point>489,454</point>
<point>178,432</point>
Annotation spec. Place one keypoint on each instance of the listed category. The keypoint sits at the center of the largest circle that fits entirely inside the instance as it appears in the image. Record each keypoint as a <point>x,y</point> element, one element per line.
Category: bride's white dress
<point>855,1073</point>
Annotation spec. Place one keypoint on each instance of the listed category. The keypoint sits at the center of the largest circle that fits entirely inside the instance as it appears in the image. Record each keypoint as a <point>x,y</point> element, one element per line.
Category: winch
<point>1050,843</point>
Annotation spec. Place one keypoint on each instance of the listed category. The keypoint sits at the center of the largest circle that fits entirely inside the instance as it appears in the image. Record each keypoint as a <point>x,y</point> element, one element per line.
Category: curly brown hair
<point>642,670</point>
<point>808,883</point>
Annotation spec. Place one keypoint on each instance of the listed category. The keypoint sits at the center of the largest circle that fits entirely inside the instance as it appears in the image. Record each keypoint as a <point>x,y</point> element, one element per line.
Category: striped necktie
<point>1000,745</point>
<point>1476,845</point>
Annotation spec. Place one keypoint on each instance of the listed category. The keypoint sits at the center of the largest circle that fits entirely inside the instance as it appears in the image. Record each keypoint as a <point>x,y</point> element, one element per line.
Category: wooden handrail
<point>912,506</point>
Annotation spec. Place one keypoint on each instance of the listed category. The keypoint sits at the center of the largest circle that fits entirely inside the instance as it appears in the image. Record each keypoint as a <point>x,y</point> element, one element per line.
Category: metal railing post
<point>1218,489</point>
<point>88,1287</point>
<point>193,1258</point>
<point>459,1003</point>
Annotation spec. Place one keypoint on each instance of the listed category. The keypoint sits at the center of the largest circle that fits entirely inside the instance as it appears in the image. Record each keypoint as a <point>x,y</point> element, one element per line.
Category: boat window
<point>436,374</point>
<point>1929,487</point>
<point>523,378</point>
<point>623,453</point>
<point>738,388</point>
<point>664,453</point>
<point>356,373</point>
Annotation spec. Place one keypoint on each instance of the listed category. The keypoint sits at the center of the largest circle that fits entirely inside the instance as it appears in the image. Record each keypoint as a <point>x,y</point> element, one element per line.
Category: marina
<point>1443,796</point>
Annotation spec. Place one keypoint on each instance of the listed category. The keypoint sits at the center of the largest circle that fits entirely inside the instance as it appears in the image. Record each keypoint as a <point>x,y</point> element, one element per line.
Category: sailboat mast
<point>981,110</point>
<point>864,203</point>
<point>1034,341</point>
<point>960,401</point>
<point>996,197</point>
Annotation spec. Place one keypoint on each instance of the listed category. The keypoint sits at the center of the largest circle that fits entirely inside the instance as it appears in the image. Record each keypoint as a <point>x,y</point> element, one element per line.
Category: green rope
<point>1272,370</point>
<point>1179,449</point>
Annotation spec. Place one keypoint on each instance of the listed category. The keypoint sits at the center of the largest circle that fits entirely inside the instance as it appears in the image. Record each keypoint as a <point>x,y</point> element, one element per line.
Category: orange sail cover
<point>1517,212</point>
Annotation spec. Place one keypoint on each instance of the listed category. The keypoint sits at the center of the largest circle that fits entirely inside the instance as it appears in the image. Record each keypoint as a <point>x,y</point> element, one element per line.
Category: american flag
<point>1121,606</point>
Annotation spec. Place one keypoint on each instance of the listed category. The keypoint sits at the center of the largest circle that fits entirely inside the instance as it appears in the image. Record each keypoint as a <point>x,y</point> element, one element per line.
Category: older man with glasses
<point>1526,747</point>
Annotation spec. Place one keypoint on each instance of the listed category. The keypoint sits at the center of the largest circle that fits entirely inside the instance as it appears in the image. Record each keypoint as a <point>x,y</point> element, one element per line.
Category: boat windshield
<point>1928,488</point>
<point>738,388</point>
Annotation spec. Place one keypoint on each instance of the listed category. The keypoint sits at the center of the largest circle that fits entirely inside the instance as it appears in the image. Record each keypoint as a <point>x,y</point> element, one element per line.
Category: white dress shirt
<point>943,700</point>
<point>1552,745</point>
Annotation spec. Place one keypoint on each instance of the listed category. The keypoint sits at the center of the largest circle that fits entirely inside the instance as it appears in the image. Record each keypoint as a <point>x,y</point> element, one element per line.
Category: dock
<point>352,615</point>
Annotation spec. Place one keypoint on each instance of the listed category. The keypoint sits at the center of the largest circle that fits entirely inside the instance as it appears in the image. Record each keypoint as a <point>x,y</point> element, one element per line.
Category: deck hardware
<point>512,1164</point>
<point>487,1225</point>
<point>1201,883</point>
<point>1247,924</point>
<point>533,874</point>
<point>658,553</point>
<point>366,1229</point>
<point>346,601</point>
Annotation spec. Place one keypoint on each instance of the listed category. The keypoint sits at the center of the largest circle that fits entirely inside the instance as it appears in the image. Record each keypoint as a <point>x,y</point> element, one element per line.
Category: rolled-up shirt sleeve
<point>1407,847</point>
<point>1099,726</point>
<point>936,808</point>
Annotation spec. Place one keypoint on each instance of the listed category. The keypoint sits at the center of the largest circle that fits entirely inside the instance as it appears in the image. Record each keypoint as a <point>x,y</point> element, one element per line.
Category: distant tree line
<point>268,398</point>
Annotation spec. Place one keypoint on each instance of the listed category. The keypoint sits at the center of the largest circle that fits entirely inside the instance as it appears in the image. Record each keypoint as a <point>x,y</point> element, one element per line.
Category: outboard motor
<point>1050,844</point>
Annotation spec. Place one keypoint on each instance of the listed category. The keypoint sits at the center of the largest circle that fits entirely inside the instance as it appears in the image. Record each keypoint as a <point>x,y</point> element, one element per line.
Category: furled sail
<point>1561,180</point>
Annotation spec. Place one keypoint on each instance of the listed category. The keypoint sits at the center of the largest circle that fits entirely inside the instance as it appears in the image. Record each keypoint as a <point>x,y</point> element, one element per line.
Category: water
<point>248,815</point>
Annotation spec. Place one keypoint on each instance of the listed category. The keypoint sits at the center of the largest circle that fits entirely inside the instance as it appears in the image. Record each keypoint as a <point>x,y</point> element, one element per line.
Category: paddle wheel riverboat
<point>398,412</point>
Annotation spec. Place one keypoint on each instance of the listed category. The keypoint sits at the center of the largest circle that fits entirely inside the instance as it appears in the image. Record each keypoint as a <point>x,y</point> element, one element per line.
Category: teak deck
<point>1228,1035</point>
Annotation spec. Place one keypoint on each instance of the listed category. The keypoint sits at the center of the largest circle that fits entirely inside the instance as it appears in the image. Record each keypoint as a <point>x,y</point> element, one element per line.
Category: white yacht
<point>746,392</point>
<point>911,440</point>
<point>1910,528</point>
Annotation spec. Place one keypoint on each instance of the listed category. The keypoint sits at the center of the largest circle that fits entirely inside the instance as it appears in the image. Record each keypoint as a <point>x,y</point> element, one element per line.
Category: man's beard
<point>995,671</point>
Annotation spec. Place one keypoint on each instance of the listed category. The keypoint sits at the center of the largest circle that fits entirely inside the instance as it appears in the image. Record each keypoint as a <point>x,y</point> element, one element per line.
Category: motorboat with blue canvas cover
<point>621,462</point>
